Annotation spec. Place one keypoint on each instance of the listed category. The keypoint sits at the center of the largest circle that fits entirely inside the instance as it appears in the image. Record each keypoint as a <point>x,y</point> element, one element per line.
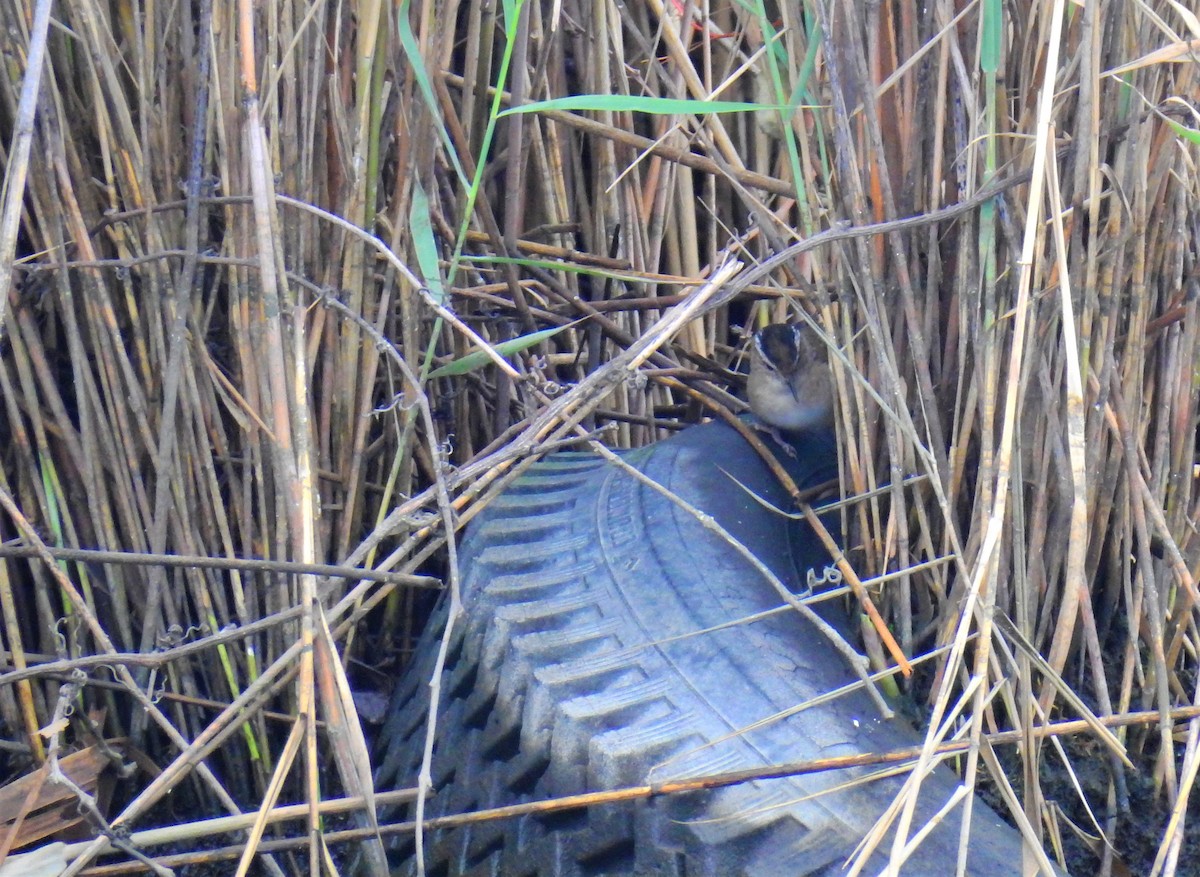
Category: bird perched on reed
<point>790,387</point>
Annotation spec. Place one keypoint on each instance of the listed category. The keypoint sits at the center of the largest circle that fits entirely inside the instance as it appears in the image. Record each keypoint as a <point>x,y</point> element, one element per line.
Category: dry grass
<point>214,341</point>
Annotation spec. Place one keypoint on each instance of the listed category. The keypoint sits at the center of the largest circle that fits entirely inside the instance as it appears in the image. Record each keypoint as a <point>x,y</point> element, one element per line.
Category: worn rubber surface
<point>578,666</point>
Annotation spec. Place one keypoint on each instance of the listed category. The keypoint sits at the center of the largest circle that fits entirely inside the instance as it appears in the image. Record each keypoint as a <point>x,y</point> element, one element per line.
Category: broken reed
<point>155,347</point>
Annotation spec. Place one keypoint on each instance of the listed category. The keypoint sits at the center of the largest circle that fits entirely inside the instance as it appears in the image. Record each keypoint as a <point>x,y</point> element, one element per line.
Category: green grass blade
<point>421,228</point>
<point>412,51</point>
<point>477,358</point>
<point>990,37</point>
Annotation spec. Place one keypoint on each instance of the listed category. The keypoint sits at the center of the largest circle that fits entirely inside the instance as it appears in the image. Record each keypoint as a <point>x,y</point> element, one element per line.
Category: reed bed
<point>307,283</point>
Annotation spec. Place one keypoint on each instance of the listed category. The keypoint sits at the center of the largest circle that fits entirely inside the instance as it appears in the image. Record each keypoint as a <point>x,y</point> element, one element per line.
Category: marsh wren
<point>790,387</point>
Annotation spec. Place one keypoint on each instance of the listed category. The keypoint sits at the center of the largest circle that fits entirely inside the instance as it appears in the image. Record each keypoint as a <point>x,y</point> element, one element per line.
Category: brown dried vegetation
<point>238,237</point>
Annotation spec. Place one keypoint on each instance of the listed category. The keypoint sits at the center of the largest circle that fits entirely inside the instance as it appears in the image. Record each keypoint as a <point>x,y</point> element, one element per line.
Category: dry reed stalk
<point>171,383</point>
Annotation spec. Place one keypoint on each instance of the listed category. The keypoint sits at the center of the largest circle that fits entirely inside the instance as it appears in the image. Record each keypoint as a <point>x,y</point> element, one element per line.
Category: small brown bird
<point>790,387</point>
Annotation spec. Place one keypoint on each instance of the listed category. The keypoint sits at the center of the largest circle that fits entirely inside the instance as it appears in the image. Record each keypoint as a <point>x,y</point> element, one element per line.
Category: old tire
<point>577,666</point>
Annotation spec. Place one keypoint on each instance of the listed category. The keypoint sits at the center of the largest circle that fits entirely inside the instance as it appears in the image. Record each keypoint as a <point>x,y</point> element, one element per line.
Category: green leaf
<point>989,41</point>
<point>637,103</point>
<point>421,228</point>
<point>479,358</point>
<point>1183,131</point>
<point>512,11</point>
<point>555,265</point>
<point>512,20</point>
<point>408,42</point>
